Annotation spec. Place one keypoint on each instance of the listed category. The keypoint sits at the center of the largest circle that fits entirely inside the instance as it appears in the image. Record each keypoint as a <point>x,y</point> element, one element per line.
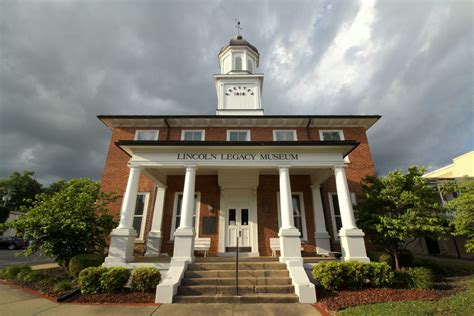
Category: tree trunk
<point>397,264</point>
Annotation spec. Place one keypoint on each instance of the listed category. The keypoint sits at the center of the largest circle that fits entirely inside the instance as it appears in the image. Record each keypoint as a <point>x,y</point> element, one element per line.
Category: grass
<point>461,303</point>
<point>446,266</point>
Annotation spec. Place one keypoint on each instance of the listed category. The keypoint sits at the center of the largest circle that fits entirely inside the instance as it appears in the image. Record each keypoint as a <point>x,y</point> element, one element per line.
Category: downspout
<point>307,128</point>
<point>168,131</point>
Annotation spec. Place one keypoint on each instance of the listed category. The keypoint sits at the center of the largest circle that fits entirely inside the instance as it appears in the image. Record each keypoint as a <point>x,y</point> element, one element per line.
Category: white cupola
<point>238,86</point>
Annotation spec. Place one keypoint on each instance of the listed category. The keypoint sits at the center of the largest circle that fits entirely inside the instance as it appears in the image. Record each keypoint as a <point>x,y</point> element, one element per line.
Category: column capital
<point>340,167</point>
<point>163,187</point>
<point>280,167</point>
<point>190,167</point>
<point>315,186</point>
<point>133,165</point>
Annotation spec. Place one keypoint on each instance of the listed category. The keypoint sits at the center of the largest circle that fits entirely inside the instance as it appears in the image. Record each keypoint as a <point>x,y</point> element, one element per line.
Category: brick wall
<point>116,172</point>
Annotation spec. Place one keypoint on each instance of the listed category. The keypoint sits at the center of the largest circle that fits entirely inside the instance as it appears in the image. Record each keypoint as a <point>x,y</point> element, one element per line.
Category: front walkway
<point>16,302</point>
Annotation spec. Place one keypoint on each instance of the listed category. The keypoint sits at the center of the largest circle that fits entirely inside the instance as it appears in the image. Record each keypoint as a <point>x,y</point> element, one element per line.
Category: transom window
<point>238,135</point>
<point>192,135</point>
<point>146,135</point>
<point>177,212</point>
<point>140,214</point>
<point>284,135</point>
<point>331,135</point>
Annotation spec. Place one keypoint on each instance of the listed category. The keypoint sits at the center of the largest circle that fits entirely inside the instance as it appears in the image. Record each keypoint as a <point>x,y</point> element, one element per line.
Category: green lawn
<point>458,304</point>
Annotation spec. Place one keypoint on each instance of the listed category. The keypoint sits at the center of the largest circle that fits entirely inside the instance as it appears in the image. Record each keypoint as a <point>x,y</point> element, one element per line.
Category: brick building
<point>236,173</point>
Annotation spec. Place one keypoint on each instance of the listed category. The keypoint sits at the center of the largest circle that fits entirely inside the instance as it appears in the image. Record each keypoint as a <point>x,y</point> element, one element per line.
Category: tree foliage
<point>397,208</point>
<point>23,188</point>
<point>462,207</point>
<point>71,221</point>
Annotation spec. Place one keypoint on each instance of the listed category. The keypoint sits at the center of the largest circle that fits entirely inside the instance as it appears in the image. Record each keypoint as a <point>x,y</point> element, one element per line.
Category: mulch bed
<point>335,301</point>
<point>117,298</point>
<point>43,287</point>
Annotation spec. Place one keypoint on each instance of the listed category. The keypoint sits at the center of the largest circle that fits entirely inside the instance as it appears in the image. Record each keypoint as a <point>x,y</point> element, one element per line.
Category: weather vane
<point>238,27</point>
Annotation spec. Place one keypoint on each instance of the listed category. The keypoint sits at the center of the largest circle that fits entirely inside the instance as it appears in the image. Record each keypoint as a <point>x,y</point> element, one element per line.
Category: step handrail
<point>237,263</point>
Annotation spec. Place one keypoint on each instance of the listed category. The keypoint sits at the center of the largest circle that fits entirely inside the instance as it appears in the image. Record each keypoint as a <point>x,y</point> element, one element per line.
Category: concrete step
<point>245,298</point>
<point>200,266</point>
<point>231,289</point>
<point>232,281</point>
<point>231,273</point>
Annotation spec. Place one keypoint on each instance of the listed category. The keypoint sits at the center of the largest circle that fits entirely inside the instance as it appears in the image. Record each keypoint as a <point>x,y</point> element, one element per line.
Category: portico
<point>238,169</point>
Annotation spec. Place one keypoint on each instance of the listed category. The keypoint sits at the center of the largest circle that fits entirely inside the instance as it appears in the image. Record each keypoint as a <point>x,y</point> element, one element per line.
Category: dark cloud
<point>62,63</point>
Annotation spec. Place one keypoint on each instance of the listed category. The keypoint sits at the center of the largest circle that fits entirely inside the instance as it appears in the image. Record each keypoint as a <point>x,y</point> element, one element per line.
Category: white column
<point>352,238</point>
<point>187,208</point>
<point>155,236</point>
<point>344,199</point>
<point>321,236</point>
<point>184,234</point>
<point>129,199</point>
<point>290,243</point>
<point>122,238</point>
<point>286,205</point>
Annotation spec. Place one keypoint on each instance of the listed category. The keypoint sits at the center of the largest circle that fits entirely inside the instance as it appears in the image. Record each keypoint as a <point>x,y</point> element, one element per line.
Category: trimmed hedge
<point>145,279</point>
<point>82,261</point>
<point>352,275</point>
<point>89,279</point>
<point>414,278</point>
<point>114,279</point>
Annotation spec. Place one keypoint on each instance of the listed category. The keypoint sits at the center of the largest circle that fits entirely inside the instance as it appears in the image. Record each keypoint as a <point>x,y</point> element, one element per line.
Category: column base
<point>183,245</point>
<point>153,244</point>
<point>353,245</point>
<point>323,245</point>
<point>290,245</point>
<point>121,246</point>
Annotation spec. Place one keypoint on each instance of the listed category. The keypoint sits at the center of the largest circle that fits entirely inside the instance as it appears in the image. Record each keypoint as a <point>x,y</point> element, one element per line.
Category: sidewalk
<point>16,302</point>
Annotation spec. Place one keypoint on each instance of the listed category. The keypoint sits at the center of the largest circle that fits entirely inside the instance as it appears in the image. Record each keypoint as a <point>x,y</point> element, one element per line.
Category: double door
<point>237,222</point>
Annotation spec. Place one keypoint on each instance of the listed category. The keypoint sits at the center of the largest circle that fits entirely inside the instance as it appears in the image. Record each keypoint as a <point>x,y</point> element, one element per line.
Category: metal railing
<point>237,263</point>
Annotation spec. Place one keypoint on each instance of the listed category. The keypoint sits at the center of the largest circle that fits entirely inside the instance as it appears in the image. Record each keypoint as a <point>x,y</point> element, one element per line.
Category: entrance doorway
<point>238,224</point>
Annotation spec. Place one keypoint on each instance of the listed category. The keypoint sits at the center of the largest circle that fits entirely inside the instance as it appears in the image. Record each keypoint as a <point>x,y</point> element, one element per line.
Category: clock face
<point>240,91</point>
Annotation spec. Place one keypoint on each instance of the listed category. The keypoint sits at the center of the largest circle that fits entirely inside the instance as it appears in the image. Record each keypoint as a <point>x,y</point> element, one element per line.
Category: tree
<point>399,207</point>
<point>21,189</point>
<point>55,187</point>
<point>71,221</point>
<point>462,207</point>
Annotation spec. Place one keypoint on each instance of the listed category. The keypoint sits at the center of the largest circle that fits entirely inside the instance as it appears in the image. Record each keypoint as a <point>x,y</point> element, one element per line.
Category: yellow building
<point>462,166</point>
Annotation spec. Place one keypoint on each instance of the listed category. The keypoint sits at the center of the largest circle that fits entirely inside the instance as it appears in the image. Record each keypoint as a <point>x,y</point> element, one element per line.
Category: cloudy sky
<point>64,62</point>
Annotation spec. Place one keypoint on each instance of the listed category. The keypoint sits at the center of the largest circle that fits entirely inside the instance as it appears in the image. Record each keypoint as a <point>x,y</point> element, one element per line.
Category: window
<point>238,135</point>
<point>146,135</point>
<point>178,202</point>
<point>331,135</point>
<point>140,214</point>
<point>284,135</point>
<point>298,213</point>
<point>238,63</point>
<point>192,135</point>
<point>249,65</point>
<point>336,212</point>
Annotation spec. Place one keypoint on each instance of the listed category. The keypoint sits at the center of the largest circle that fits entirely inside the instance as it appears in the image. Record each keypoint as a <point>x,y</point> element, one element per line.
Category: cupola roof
<point>239,41</point>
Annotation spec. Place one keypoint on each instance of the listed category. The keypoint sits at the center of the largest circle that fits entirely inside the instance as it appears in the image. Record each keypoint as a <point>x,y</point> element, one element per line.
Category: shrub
<point>414,278</point>
<point>352,275</point>
<point>145,279</point>
<point>23,272</point>
<point>82,261</point>
<point>89,279</point>
<point>405,257</point>
<point>36,276</point>
<point>62,286</point>
<point>11,272</point>
<point>114,279</point>
<point>386,258</point>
